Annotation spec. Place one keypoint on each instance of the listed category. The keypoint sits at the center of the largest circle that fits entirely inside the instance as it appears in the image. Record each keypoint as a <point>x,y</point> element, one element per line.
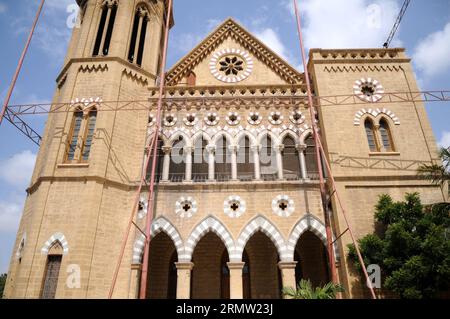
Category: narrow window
<point>371,136</point>
<point>311,158</point>
<point>74,135</point>
<point>268,160</point>
<point>245,168</point>
<point>52,269</point>
<point>191,79</point>
<point>386,136</point>
<point>200,164</point>
<point>138,36</point>
<point>159,163</point>
<point>291,160</point>
<point>177,163</point>
<point>89,136</point>
<point>223,160</point>
<point>105,29</point>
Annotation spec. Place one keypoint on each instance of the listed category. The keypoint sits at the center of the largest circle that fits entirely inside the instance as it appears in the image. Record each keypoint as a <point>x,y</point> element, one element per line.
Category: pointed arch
<point>161,224</point>
<point>260,223</point>
<point>221,134</point>
<point>175,137</point>
<point>201,134</point>
<point>289,133</point>
<point>210,224</point>
<point>275,139</point>
<point>56,238</point>
<point>243,134</point>
<point>313,224</point>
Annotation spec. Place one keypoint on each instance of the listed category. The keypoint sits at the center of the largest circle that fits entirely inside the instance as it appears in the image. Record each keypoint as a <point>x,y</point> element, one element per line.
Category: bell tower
<point>91,157</point>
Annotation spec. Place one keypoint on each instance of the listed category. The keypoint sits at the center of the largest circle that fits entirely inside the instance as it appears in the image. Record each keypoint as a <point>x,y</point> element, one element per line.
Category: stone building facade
<point>238,209</point>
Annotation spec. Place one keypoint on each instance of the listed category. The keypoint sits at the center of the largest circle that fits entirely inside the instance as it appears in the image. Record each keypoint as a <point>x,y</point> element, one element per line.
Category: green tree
<point>305,290</point>
<point>2,284</point>
<point>438,174</point>
<point>412,248</point>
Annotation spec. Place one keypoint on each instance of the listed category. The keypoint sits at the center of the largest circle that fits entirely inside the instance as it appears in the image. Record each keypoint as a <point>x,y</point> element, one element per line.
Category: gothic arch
<point>289,133</point>
<point>177,135</point>
<point>305,135</point>
<point>313,224</point>
<point>159,225</point>
<point>259,224</point>
<point>263,134</point>
<point>221,134</point>
<point>57,237</point>
<point>375,113</point>
<point>243,134</point>
<point>207,225</point>
<point>201,134</point>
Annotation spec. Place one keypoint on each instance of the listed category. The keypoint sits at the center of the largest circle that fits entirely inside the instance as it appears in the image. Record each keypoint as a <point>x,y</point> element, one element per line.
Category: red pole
<point>323,190</point>
<point>144,272</point>
<point>19,65</point>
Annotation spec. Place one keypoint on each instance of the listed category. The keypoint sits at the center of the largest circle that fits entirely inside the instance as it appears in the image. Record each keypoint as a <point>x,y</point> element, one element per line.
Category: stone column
<point>211,162</point>
<point>279,153</point>
<point>236,286</point>
<point>188,158</point>
<point>288,273</point>
<point>233,149</point>
<point>184,280</point>
<point>301,154</point>
<point>133,293</point>
<point>166,165</point>
<point>257,164</point>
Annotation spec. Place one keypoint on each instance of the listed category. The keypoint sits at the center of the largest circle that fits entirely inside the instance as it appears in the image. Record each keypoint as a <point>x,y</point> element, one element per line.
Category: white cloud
<point>445,140</point>
<point>270,38</point>
<point>431,56</point>
<point>3,7</point>
<point>347,23</point>
<point>18,169</point>
<point>9,216</point>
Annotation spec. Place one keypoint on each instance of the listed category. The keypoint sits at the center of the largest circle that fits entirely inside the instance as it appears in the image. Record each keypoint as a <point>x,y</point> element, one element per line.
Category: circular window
<point>297,117</point>
<point>186,207</point>
<point>254,118</point>
<point>283,206</point>
<point>142,208</point>
<point>275,118</point>
<point>368,90</point>
<point>212,119</point>
<point>233,118</point>
<point>231,65</point>
<point>190,119</point>
<point>170,120</point>
<point>234,207</point>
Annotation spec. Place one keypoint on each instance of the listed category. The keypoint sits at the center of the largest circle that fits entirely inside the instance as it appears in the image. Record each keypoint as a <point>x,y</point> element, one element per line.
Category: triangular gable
<point>232,30</point>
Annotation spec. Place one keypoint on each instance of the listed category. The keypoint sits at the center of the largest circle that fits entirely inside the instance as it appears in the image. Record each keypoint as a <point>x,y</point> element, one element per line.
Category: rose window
<point>368,90</point>
<point>234,206</point>
<point>233,118</point>
<point>276,118</point>
<point>190,120</point>
<point>170,120</point>
<point>254,118</point>
<point>231,65</point>
<point>297,117</point>
<point>283,206</point>
<point>186,207</point>
<point>212,119</point>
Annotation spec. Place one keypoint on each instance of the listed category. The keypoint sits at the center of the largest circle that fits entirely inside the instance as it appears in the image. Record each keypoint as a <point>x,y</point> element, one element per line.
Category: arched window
<point>291,160</point>
<point>177,169</point>
<point>310,157</point>
<point>52,269</point>
<point>200,162</point>
<point>191,79</point>
<point>246,276</point>
<point>371,135</point>
<point>74,135</point>
<point>105,28</point>
<point>137,43</point>
<point>223,160</point>
<point>245,168</point>
<point>225,276</point>
<point>268,160</point>
<point>89,134</point>
<point>386,136</point>
<point>159,162</point>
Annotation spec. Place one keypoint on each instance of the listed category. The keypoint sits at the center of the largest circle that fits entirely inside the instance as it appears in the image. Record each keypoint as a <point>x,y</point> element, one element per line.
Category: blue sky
<point>425,33</point>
